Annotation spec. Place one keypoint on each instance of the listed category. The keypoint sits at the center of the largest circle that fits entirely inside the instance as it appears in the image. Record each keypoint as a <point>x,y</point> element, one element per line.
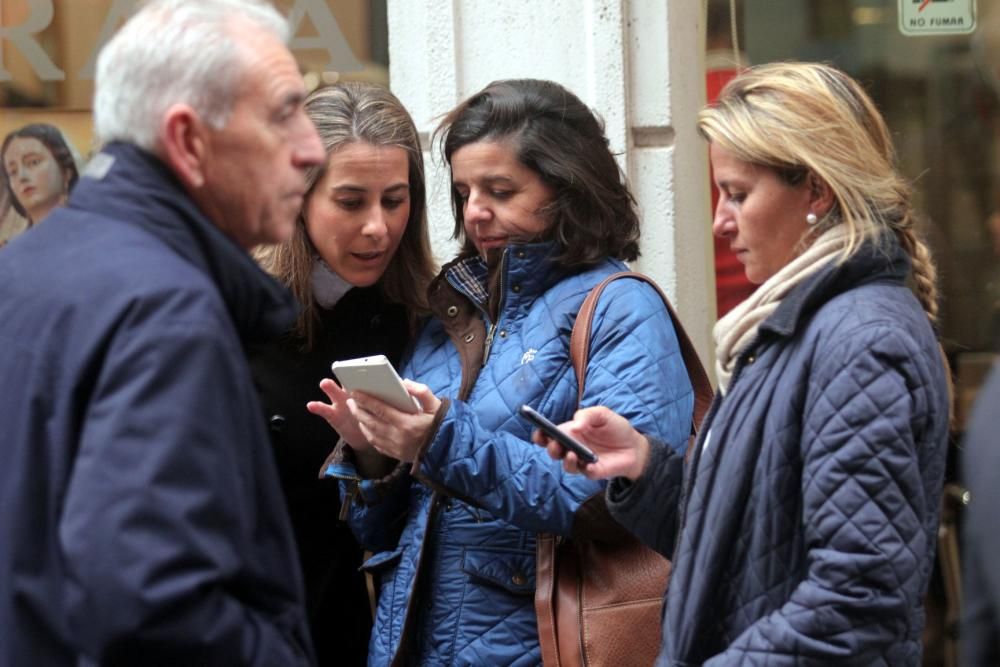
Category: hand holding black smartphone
<point>583,452</point>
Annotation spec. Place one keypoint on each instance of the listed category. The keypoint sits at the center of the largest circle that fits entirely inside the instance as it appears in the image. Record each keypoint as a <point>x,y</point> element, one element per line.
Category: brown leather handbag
<point>599,603</point>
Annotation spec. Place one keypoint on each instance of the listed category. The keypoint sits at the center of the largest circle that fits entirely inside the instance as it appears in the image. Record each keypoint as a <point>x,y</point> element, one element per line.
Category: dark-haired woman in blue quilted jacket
<point>806,531</point>
<point>545,215</point>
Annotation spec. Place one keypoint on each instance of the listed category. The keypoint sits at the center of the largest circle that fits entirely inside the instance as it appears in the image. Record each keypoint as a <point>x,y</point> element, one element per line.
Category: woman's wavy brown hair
<point>593,214</point>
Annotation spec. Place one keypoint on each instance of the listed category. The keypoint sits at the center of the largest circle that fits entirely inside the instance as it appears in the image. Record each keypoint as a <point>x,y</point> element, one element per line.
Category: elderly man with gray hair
<point>142,520</point>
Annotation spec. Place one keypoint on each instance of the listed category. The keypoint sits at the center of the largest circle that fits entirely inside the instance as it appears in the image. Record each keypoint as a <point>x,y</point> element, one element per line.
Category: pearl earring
<point>811,219</point>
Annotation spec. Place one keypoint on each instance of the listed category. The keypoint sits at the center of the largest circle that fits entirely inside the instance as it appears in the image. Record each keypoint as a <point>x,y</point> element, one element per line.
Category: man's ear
<point>184,143</point>
<point>821,197</point>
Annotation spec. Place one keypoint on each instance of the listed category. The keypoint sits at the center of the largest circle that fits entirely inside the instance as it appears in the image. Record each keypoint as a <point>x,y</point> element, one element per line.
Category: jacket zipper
<point>503,298</point>
<point>349,496</point>
<point>351,492</point>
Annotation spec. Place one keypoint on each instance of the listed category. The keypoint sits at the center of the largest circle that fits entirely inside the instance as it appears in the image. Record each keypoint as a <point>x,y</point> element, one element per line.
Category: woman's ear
<point>821,197</point>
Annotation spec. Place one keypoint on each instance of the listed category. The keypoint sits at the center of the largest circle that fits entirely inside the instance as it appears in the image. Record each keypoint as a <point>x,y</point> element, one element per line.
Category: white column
<point>638,63</point>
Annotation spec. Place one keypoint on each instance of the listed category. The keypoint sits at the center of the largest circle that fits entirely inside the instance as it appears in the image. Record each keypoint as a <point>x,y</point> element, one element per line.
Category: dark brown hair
<point>593,213</point>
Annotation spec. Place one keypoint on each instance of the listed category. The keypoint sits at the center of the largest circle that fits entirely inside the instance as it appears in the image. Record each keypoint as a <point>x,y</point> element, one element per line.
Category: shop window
<point>940,95</point>
<point>48,47</point>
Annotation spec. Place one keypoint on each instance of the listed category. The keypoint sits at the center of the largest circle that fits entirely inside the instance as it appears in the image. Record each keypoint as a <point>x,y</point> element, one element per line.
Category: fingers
<point>570,461</point>
<point>555,450</point>
<point>361,403</point>
<point>334,413</point>
<point>333,391</point>
<point>378,421</point>
<point>320,409</point>
<point>593,417</point>
<point>370,436</point>
<point>573,464</point>
<point>393,432</point>
<point>428,401</point>
<point>416,388</point>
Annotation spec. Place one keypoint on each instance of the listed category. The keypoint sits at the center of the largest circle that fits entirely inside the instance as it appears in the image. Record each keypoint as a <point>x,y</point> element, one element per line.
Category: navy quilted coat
<point>809,516</point>
<point>458,569</point>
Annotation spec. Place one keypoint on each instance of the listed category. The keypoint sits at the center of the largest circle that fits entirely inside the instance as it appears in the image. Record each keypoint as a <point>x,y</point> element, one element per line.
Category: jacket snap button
<point>470,337</point>
<point>520,254</point>
<point>452,311</point>
<point>516,289</point>
<point>503,333</point>
<point>519,579</point>
<point>277,422</point>
<point>751,359</point>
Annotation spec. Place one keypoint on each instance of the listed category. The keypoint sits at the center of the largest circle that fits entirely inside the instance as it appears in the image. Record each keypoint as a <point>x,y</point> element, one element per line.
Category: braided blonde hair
<point>810,118</point>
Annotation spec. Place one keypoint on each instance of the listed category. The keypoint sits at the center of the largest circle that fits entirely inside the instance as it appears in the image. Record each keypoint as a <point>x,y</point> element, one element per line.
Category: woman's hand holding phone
<point>391,431</point>
<point>338,416</point>
<point>621,450</point>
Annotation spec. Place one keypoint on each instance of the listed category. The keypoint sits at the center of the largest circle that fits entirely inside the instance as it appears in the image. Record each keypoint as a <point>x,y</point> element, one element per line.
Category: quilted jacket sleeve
<point>635,368</point>
<point>866,505</point>
<point>648,507</point>
<point>376,509</point>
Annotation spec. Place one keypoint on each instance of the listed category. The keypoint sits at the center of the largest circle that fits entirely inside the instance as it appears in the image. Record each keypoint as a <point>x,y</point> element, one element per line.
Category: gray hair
<point>175,51</point>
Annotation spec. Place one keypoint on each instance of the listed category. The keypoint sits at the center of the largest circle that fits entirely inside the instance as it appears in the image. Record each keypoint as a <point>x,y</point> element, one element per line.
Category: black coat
<point>361,324</point>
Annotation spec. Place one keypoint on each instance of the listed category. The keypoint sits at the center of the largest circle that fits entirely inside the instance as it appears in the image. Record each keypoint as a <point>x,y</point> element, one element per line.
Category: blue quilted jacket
<point>455,533</point>
<point>808,526</point>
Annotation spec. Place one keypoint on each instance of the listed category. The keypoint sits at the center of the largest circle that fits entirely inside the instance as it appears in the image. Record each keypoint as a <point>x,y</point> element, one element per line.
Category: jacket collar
<point>526,269</point>
<point>880,260</point>
<point>131,185</point>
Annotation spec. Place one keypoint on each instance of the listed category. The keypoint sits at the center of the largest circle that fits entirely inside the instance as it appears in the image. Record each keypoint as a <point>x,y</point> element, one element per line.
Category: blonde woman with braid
<point>806,527</point>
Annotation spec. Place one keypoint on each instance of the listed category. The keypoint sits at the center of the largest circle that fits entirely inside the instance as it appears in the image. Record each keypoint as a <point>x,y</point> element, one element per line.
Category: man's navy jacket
<point>142,521</point>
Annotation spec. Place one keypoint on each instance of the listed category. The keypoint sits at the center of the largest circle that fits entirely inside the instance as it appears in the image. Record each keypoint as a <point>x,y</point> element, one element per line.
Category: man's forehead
<point>269,67</point>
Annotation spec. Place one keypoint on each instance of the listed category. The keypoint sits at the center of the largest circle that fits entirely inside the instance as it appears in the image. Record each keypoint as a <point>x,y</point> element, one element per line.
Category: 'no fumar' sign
<point>937,17</point>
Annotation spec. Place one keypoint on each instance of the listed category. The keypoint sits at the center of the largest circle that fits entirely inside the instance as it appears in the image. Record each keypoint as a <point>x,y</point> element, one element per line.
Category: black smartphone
<point>584,453</point>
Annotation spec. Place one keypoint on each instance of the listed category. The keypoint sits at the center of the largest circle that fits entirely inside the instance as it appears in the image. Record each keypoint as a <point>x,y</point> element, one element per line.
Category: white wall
<point>639,64</point>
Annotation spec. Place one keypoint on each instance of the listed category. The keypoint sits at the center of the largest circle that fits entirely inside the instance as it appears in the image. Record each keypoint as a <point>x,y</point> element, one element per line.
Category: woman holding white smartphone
<point>359,263</point>
<point>544,214</point>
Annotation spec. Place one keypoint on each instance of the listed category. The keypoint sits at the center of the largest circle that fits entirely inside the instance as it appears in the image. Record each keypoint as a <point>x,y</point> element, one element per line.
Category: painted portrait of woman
<point>38,170</point>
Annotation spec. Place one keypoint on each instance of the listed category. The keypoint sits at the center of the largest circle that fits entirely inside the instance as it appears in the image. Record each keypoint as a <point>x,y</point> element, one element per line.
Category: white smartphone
<point>376,376</point>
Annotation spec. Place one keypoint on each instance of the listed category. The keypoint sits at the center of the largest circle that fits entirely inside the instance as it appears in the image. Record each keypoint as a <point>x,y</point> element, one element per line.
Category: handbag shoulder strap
<point>579,345</point>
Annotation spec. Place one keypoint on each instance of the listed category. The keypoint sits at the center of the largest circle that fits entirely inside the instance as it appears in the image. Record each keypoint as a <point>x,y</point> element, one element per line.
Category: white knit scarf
<point>735,331</point>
